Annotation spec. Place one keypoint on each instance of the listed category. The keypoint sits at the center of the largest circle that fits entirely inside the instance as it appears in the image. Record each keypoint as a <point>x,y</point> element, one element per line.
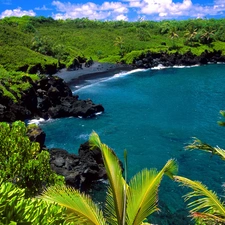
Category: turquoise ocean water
<point>154,114</point>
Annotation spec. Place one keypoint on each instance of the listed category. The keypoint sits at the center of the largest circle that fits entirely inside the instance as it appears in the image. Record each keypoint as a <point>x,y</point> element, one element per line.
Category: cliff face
<point>50,97</point>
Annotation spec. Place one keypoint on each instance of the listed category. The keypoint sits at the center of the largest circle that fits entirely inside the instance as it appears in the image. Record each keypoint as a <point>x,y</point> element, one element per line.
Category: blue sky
<point>129,10</point>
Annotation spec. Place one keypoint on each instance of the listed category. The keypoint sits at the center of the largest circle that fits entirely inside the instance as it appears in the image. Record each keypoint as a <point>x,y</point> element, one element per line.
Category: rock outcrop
<point>150,59</point>
<point>79,170</point>
<point>50,97</point>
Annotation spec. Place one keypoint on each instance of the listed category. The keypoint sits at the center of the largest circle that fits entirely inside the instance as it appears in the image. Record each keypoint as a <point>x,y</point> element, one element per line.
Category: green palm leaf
<point>80,207</point>
<point>142,192</point>
<point>198,144</point>
<point>115,200</point>
<point>205,202</point>
<point>221,152</point>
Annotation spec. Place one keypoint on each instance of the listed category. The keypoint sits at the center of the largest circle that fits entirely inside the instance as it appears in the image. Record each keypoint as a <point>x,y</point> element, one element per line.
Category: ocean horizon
<point>154,114</point>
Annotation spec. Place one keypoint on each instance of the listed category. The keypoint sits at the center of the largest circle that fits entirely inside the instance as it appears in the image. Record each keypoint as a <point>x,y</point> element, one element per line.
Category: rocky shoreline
<point>151,59</point>
<point>81,170</point>
<point>50,97</point>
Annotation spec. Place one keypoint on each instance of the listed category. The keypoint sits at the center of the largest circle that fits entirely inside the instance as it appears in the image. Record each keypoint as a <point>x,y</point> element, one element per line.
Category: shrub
<point>22,161</point>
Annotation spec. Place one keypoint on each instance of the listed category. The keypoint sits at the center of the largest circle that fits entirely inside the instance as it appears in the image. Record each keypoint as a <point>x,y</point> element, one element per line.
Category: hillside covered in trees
<point>39,44</point>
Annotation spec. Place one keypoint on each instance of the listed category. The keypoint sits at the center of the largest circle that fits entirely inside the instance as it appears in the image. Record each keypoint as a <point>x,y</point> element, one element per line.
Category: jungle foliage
<point>15,208</point>
<point>45,41</point>
<point>35,45</point>
<point>13,84</point>
<point>22,161</point>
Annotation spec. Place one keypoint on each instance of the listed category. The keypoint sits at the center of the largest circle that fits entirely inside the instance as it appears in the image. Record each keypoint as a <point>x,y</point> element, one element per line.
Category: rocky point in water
<point>81,170</point>
<point>50,97</point>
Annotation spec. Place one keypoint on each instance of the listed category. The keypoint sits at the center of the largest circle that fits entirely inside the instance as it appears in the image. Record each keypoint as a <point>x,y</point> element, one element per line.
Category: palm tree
<point>120,43</point>
<point>126,204</point>
<point>191,34</point>
<point>173,35</point>
<point>205,204</point>
<point>207,35</point>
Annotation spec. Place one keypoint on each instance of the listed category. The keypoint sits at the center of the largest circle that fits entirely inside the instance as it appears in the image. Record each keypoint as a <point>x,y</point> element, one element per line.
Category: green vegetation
<point>205,206</point>
<point>30,41</point>
<point>33,45</point>
<point>22,161</point>
<point>13,84</point>
<point>37,45</point>
<point>126,203</point>
<point>15,208</point>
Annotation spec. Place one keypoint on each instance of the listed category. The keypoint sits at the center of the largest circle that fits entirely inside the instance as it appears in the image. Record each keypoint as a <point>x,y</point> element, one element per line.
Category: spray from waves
<point>161,67</point>
<point>115,76</point>
<point>122,74</point>
<point>39,121</point>
<point>84,137</point>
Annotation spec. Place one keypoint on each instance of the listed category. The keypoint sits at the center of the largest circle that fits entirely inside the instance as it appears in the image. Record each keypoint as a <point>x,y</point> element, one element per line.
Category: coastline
<point>95,71</point>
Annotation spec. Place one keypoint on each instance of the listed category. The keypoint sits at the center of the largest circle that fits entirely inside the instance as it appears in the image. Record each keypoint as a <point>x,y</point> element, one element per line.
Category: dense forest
<point>30,41</point>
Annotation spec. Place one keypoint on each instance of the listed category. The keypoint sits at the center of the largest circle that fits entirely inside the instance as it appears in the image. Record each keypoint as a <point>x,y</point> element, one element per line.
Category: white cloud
<point>122,17</point>
<point>126,10</point>
<point>105,11</point>
<point>165,7</point>
<point>43,8</point>
<point>17,12</point>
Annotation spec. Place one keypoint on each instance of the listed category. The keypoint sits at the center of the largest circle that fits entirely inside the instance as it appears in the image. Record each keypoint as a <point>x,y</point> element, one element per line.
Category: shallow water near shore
<point>154,114</point>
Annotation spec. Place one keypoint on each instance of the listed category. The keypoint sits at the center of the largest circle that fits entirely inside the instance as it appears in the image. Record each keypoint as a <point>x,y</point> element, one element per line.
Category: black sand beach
<point>95,71</point>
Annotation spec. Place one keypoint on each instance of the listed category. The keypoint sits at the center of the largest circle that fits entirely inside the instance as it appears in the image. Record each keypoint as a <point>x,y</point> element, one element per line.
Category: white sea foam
<point>121,74</point>
<point>181,67</point>
<point>98,113</point>
<point>160,67</point>
<point>39,121</point>
<point>117,75</point>
<point>83,136</point>
<point>36,121</point>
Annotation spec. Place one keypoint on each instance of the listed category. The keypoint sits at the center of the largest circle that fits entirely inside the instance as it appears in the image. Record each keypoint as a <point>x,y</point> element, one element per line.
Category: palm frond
<point>208,217</point>
<point>142,193</point>
<point>199,145</point>
<point>203,200</point>
<point>79,206</point>
<point>115,204</point>
<point>221,152</point>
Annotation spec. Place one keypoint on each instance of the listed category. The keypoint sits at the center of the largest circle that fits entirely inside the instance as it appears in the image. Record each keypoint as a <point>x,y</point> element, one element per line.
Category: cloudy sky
<point>129,10</point>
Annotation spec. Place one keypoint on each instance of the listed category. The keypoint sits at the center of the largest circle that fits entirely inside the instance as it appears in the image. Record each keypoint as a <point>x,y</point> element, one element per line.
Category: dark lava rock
<point>50,97</point>
<point>150,59</point>
<point>36,134</point>
<point>81,170</point>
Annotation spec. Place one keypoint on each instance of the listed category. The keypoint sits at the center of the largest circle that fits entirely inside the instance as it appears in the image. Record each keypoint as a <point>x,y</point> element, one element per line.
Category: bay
<point>154,114</point>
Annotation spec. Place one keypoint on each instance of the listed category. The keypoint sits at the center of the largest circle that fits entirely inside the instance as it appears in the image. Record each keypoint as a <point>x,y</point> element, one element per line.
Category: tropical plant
<point>143,34</point>
<point>126,203</point>
<point>173,35</point>
<point>22,161</point>
<point>16,209</point>
<point>120,43</point>
<point>191,35</point>
<point>205,206</point>
<point>207,35</point>
<point>164,27</point>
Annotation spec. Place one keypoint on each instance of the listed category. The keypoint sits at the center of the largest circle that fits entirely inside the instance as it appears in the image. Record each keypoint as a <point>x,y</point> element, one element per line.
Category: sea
<point>154,114</point>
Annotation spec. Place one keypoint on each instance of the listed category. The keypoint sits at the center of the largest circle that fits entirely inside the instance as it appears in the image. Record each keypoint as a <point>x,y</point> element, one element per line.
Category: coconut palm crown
<point>126,203</point>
